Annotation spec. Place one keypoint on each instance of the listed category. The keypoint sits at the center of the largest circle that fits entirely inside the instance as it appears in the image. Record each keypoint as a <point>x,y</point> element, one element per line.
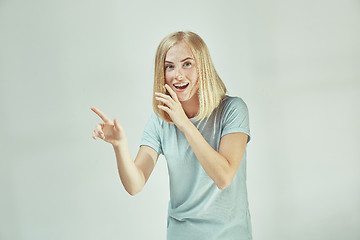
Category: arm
<point>220,166</point>
<point>133,174</point>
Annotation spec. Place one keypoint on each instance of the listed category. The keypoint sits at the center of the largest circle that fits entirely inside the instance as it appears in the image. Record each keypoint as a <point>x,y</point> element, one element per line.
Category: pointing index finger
<point>101,115</point>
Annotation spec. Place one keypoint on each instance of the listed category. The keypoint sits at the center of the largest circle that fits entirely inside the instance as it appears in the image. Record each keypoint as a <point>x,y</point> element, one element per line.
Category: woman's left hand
<point>173,108</point>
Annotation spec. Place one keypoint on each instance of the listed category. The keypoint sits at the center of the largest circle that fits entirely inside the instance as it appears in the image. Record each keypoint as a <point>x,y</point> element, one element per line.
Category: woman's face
<point>181,72</point>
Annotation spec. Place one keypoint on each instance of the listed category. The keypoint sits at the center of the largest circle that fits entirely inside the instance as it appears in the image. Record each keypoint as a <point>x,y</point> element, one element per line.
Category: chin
<point>182,98</point>
<point>185,98</point>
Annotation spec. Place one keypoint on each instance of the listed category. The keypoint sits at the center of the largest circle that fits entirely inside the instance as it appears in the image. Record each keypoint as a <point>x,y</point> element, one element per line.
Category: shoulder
<point>234,116</point>
<point>154,117</point>
<point>156,121</point>
<point>153,120</point>
<point>231,103</point>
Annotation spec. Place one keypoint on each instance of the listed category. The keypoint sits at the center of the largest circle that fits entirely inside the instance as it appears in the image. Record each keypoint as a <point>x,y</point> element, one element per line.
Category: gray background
<point>295,64</point>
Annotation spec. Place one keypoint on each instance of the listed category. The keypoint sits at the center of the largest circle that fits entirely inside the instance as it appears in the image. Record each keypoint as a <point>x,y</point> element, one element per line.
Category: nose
<point>179,74</point>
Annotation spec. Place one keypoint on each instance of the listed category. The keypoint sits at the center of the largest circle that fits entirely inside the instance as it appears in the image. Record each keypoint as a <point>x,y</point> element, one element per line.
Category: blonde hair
<point>211,88</point>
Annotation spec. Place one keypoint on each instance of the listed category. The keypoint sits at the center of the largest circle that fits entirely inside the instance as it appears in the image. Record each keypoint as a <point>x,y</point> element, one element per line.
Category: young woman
<point>203,134</point>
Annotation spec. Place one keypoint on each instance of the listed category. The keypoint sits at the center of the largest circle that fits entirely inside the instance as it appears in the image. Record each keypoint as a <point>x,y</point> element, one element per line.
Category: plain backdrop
<point>295,64</point>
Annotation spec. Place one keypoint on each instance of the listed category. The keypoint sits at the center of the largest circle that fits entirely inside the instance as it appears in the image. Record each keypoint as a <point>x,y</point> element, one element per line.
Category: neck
<point>191,106</point>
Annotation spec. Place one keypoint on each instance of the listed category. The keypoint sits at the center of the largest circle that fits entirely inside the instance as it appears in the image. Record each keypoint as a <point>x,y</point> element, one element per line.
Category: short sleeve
<point>151,134</point>
<point>235,117</point>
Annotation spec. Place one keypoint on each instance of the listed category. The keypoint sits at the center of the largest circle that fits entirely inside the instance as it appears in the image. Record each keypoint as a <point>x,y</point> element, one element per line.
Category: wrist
<point>119,143</point>
<point>187,126</point>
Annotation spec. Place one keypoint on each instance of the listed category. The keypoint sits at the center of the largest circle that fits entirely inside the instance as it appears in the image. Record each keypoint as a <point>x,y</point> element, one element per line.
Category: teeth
<point>180,85</point>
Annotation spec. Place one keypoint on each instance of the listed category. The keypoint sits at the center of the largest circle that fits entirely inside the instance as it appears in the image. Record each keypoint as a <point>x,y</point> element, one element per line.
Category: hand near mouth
<point>173,107</point>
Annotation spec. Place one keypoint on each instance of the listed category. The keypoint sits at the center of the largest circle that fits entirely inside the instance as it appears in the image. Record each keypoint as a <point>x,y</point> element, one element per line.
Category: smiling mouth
<point>181,86</point>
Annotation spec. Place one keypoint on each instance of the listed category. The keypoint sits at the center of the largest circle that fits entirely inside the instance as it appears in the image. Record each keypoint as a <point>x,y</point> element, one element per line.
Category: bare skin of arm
<point>133,173</point>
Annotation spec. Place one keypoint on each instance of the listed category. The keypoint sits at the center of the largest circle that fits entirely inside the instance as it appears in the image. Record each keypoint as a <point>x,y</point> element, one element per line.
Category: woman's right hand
<point>109,131</point>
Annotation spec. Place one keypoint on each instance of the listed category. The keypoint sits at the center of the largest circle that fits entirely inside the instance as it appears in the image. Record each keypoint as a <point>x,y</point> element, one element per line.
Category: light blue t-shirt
<point>198,209</point>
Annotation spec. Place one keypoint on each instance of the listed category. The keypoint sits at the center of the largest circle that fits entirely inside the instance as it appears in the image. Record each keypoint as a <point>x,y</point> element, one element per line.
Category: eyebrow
<point>182,60</point>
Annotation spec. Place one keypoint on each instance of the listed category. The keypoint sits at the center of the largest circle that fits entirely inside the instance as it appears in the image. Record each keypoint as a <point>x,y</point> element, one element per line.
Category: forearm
<point>214,164</point>
<point>131,176</point>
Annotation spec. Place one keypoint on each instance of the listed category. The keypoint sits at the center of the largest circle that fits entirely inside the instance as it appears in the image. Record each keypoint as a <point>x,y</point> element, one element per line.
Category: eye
<point>169,66</point>
<point>187,64</point>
